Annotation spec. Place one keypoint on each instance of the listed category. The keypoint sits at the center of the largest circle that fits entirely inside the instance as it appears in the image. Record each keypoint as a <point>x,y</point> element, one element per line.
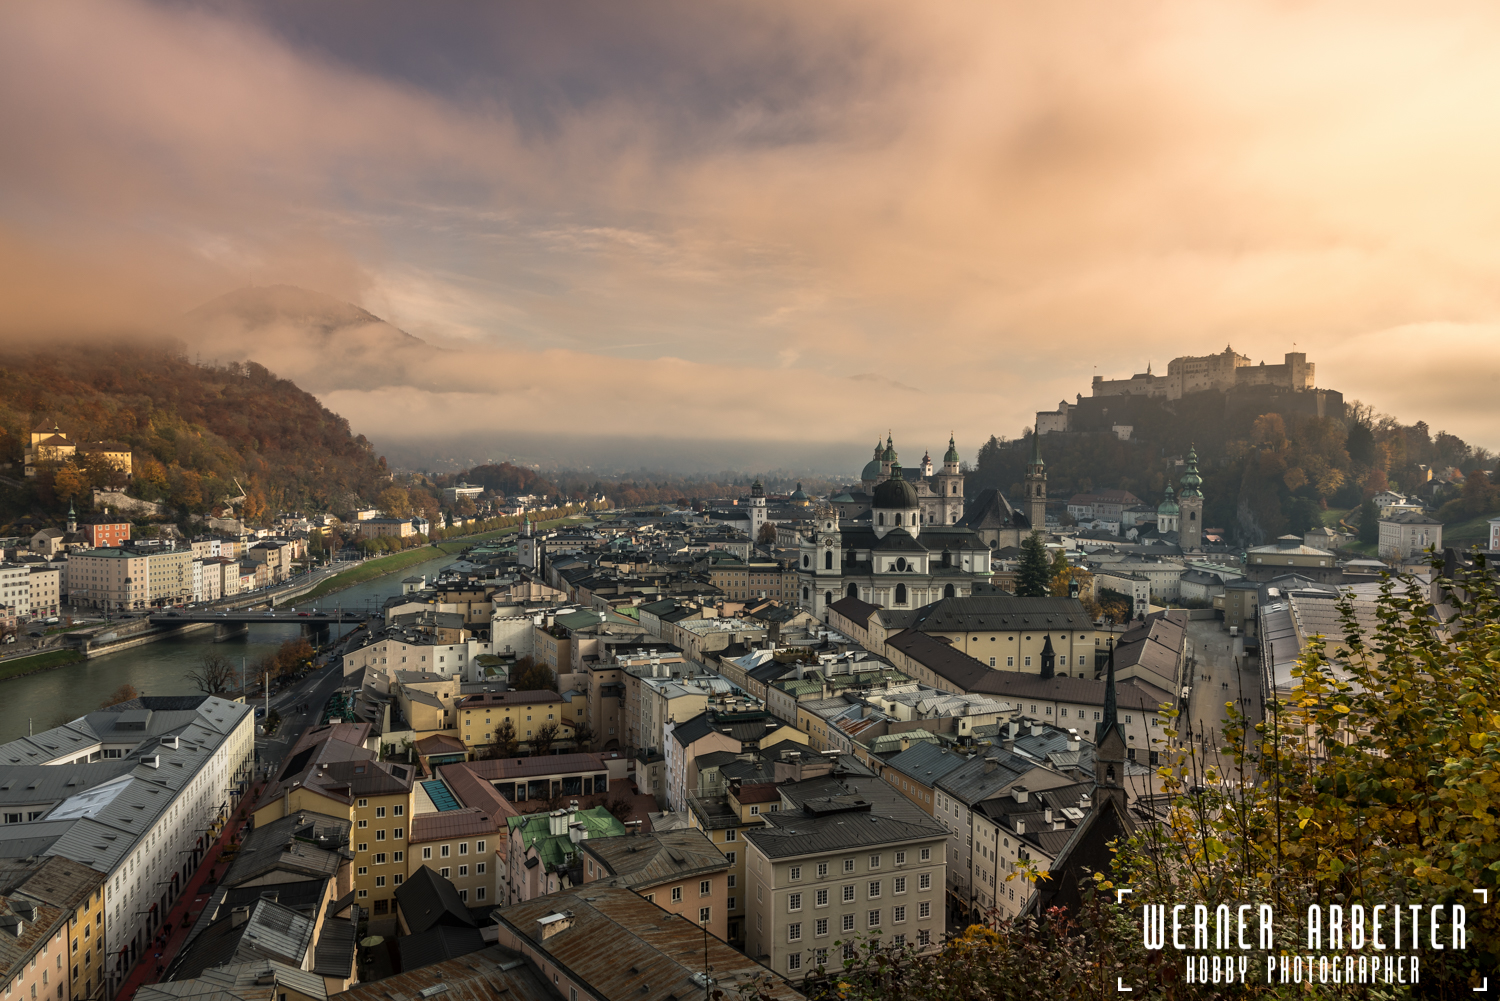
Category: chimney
<point>1072,739</point>
<point>1020,826</point>
<point>557,823</point>
<point>1085,802</point>
<point>239,916</point>
<point>1018,793</point>
<point>1036,728</point>
<point>550,925</point>
<point>1047,815</point>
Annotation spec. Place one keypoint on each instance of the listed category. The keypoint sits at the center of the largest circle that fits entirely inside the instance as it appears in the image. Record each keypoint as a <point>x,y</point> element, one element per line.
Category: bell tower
<point>1036,486</point>
<point>1190,507</point>
<point>950,486</point>
<point>757,510</point>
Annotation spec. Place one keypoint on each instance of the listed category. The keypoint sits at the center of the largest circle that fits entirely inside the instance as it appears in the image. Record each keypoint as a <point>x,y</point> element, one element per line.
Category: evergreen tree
<point>1369,522</point>
<point>1034,578</point>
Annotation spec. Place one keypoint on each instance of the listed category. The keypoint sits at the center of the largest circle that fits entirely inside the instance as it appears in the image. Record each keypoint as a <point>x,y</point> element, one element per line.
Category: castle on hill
<point>1235,376</point>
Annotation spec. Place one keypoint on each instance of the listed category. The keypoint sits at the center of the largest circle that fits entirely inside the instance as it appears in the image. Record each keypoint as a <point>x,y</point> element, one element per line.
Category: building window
<point>398,833</point>
<point>463,848</point>
<point>676,894</point>
<point>821,927</point>
<point>924,910</point>
<point>794,932</point>
<point>821,899</point>
<point>379,811</point>
<point>380,858</point>
<point>794,961</point>
<point>443,851</point>
<point>363,824</point>
<point>479,868</point>
<point>731,857</point>
<point>849,893</point>
<point>924,882</point>
<point>427,852</point>
<point>731,835</point>
<point>796,872</point>
<point>705,888</point>
<point>479,847</point>
<point>872,919</point>
<point>926,854</point>
<point>443,872</point>
<point>898,915</point>
<point>847,922</point>
<point>924,937</point>
<point>379,880</point>
<point>794,902</point>
<point>362,870</point>
<point>463,870</point>
<point>900,884</point>
<point>874,861</point>
<point>848,865</point>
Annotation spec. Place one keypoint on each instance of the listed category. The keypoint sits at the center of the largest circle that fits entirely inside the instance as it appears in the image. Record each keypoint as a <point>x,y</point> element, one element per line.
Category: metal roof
<point>625,948</point>
<point>645,860</point>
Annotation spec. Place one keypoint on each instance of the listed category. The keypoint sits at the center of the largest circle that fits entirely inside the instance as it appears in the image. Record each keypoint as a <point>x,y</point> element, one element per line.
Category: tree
<point>124,693</point>
<point>766,535</point>
<point>530,676</point>
<point>545,737</point>
<point>395,502</point>
<point>505,744</point>
<point>1369,522</point>
<point>1035,573</point>
<point>583,736</point>
<point>213,675</point>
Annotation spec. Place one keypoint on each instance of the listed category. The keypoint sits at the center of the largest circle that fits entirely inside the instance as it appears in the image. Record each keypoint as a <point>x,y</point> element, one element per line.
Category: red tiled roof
<point>759,792</point>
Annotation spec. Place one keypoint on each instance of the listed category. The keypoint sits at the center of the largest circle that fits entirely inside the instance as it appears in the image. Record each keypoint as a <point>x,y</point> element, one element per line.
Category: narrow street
<point>1221,677</point>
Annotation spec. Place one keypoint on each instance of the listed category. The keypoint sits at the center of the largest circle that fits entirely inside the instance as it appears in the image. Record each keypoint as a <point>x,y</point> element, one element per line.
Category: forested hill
<point>193,429</point>
<point>1265,472</point>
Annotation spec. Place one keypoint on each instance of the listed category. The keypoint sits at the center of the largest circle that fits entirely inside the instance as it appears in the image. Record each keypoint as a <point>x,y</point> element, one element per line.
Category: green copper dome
<point>1191,481</point>
<point>871,472</point>
<point>952,454</point>
<point>1168,503</point>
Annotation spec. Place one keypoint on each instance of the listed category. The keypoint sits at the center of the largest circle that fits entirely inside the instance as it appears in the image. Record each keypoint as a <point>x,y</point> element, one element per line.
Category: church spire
<point>1049,659</point>
<point>1111,700</point>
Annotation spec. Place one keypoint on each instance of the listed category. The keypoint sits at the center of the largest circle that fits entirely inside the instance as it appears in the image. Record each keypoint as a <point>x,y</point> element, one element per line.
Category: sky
<point>790,224</point>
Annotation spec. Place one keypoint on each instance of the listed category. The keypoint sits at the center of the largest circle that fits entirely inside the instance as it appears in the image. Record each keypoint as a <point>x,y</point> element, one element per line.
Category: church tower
<point>950,487</point>
<point>757,510</point>
<point>1190,509</point>
<point>1036,486</point>
<point>527,550</point>
<point>1110,743</point>
<point>72,519</point>
<point>1167,513</point>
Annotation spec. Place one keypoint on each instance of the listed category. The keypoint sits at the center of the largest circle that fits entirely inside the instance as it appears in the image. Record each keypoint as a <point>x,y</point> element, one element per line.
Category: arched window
<point>898,517</point>
<point>1192,516</point>
<point>827,597</point>
<point>854,590</point>
<point>947,590</point>
<point>881,516</point>
<point>804,594</point>
<point>900,594</point>
<point>807,561</point>
<point>828,559</point>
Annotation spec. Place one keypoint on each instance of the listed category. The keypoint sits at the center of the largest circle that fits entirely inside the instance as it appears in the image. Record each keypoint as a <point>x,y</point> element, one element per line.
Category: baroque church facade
<point>912,549</point>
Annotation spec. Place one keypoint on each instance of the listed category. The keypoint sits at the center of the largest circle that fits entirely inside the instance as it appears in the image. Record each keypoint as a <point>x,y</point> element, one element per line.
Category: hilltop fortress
<point>1241,382</point>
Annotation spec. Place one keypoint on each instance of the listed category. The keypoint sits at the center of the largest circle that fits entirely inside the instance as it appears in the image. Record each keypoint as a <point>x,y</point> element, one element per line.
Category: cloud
<point>706,218</point>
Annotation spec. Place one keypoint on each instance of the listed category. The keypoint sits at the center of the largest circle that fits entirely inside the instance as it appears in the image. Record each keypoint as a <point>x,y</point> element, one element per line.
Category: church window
<point>806,561</point>
<point>804,594</point>
<point>948,590</point>
<point>900,594</point>
<point>898,517</point>
<point>901,563</point>
<point>1192,516</point>
<point>881,516</point>
<point>828,560</point>
<point>827,597</point>
<point>854,590</point>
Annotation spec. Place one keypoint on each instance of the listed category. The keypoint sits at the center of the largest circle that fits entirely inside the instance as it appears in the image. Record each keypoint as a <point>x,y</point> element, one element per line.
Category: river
<point>48,698</point>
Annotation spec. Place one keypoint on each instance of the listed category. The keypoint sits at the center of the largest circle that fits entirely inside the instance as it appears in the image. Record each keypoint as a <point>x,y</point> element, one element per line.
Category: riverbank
<point>383,566</point>
<point>52,659</point>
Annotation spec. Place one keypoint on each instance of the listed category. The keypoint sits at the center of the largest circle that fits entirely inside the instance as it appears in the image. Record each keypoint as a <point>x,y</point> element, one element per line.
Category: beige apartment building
<point>680,871</point>
<point>46,589</point>
<point>460,846</point>
<point>110,579</point>
<point>827,867</point>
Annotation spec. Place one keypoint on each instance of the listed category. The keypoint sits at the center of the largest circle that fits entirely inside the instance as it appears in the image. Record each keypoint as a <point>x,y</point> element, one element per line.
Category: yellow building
<point>480,717</point>
<point>330,772</point>
<point>724,819</point>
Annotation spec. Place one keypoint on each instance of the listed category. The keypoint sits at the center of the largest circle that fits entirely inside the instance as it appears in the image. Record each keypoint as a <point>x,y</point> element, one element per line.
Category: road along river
<point>48,698</point>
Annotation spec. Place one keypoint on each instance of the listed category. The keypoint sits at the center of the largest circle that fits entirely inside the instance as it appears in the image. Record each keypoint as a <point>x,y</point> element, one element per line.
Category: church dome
<point>798,497</point>
<point>1168,503</point>
<point>952,455</point>
<point>895,493</point>
<point>871,472</point>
